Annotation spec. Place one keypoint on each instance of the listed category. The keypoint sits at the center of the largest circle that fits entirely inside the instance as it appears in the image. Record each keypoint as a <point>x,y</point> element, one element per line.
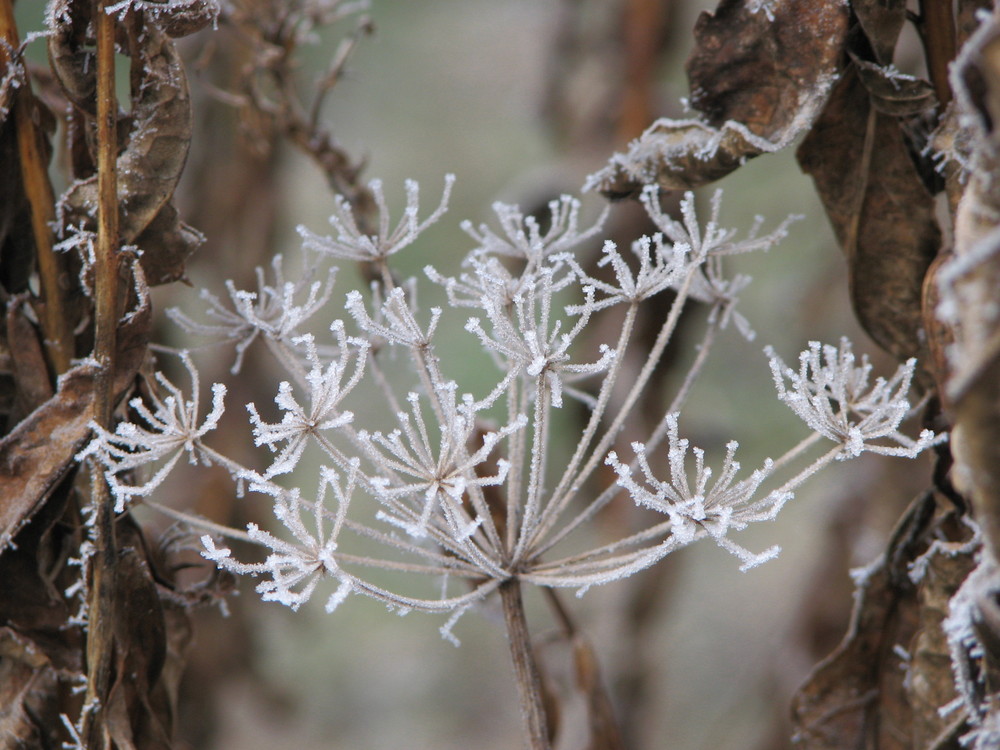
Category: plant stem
<point>529,684</point>
<point>38,189</point>
<point>937,32</point>
<point>102,600</point>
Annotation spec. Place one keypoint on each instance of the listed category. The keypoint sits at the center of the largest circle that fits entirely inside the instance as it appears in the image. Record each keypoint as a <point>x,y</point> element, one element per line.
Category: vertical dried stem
<point>38,189</point>
<point>529,684</point>
<point>100,635</point>
<point>937,27</point>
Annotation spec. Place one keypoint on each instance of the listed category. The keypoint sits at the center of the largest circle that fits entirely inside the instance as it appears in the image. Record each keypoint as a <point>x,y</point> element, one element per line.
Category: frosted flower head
<point>421,475</point>
<point>522,238</point>
<point>327,386</point>
<point>660,267</point>
<point>276,310</point>
<point>295,568</point>
<point>831,393</point>
<point>710,238</point>
<point>395,321</point>
<point>351,243</point>
<point>710,286</point>
<point>170,430</point>
<point>702,507</point>
<point>531,342</point>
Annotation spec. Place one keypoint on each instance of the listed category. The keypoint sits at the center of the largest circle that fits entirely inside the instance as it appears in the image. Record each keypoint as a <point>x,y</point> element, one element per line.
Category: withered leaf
<point>892,93</point>
<point>31,376</point>
<point>757,77</point>
<point>881,212</point>
<point>137,720</point>
<point>856,696</point>
<point>157,145</point>
<point>40,450</point>
<point>970,282</point>
<point>881,21</point>
<point>29,693</point>
<point>34,575</point>
<point>165,245</point>
<point>931,683</point>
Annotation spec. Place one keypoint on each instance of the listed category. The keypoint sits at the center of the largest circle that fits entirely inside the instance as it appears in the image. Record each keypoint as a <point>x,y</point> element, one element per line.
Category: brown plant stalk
<point>38,190</point>
<point>529,683</point>
<point>100,633</point>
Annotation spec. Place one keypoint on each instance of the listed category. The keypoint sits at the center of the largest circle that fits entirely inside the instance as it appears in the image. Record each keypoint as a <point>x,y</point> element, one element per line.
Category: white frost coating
<point>276,311</point>
<point>699,509</point>
<point>655,155</point>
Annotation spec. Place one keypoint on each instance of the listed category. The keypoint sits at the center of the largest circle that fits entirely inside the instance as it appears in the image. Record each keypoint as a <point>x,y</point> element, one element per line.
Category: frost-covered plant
<point>465,488</point>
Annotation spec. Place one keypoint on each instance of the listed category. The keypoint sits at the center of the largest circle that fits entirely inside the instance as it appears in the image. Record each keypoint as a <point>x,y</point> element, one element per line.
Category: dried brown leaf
<point>34,575</point>
<point>882,214</point>
<point>931,683</point>
<point>856,696</point>
<point>757,78</point>
<point>31,376</point>
<point>970,282</point>
<point>155,148</point>
<point>29,692</point>
<point>136,719</point>
<point>881,21</point>
<point>38,453</point>
<point>892,93</point>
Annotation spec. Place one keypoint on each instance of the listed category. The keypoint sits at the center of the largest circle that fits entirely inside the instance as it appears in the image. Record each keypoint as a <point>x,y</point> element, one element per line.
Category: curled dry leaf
<point>139,712</point>
<point>758,76</point>
<point>892,93</point>
<point>28,692</point>
<point>881,211</point>
<point>156,147</point>
<point>31,377</point>
<point>931,685</point>
<point>39,452</point>
<point>884,684</point>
